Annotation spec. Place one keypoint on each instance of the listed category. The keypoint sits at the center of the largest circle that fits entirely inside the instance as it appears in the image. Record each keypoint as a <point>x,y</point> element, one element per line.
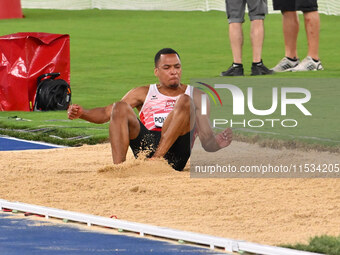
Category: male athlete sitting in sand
<point>170,100</point>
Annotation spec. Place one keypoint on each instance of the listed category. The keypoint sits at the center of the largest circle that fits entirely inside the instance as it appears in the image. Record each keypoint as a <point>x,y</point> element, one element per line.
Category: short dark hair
<point>164,51</point>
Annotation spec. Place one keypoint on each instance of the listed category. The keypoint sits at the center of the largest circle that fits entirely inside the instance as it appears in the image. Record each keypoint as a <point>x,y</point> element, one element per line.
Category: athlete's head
<point>168,67</point>
<point>164,51</point>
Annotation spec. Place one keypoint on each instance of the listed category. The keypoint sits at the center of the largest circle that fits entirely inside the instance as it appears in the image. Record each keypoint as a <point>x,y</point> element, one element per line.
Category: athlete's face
<point>169,70</point>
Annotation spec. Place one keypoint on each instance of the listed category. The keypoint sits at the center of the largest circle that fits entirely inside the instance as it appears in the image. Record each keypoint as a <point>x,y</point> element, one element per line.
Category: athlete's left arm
<point>136,97</point>
<point>210,142</point>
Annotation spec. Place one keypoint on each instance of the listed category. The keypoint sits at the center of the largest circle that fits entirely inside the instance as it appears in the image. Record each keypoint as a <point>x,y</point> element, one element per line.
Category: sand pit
<point>268,211</point>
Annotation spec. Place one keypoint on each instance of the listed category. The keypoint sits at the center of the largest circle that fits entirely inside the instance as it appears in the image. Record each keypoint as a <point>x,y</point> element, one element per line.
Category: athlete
<point>170,117</point>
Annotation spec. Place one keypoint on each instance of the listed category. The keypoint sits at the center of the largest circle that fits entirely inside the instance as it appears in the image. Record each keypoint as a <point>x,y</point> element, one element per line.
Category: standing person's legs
<point>257,12</point>
<point>257,36</point>
<point>124,126</point>
<point>312,26</point>
<point>235,11</point>
<point>236,41</point>
<point>290,26</point>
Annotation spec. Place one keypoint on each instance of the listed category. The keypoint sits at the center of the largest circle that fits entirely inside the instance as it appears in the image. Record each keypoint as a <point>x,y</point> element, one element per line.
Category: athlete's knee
<point>120,110</point>
<point>184,103</point>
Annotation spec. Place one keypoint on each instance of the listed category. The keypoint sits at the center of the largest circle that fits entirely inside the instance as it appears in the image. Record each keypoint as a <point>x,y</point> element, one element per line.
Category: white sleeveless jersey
<point>157,107</point>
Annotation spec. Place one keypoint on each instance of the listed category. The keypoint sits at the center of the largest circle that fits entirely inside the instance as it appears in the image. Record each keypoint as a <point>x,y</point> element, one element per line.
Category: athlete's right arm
<point>135,98</point>
<point>96,115</point>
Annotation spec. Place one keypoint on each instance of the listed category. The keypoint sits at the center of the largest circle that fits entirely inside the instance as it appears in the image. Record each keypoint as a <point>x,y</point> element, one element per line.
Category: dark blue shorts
<point>147,141</point>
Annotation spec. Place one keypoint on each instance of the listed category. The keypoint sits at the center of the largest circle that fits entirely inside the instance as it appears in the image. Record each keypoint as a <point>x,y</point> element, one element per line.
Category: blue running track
<point>26,236</point>
<point>13,144</point>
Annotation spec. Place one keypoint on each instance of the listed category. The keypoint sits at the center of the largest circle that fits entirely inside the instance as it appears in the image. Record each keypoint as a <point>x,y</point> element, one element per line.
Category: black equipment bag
<point>52,94</point>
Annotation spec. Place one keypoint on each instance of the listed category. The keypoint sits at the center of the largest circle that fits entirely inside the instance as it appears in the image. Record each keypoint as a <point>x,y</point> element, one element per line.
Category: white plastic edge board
<point>35,142</point>
<point>229,245</point>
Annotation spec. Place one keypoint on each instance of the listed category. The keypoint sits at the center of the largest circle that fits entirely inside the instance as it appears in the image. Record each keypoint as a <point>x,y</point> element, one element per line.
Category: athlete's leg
<point>312,26</point>
<point>290,23</point>
<point>124,126</point>
<point>179,122</point>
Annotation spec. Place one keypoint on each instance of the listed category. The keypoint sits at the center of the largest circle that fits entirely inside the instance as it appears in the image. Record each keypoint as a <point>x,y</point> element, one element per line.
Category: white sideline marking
<point>229,245</point>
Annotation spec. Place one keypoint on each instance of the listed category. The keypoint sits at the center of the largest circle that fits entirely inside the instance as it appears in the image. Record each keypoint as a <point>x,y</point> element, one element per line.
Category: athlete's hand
<point>74,111</point>
<point>224,138</point>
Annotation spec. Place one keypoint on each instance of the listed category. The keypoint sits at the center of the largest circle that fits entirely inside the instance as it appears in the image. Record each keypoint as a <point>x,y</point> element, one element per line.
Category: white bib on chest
<point>157,107</point>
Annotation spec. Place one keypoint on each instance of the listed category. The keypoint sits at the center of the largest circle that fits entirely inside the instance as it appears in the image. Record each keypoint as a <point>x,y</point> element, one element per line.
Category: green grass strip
<point>320,244</point>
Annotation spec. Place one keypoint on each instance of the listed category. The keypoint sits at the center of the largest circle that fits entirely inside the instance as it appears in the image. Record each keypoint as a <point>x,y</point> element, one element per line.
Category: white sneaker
<point>308,64</point>
<point>285,65</point>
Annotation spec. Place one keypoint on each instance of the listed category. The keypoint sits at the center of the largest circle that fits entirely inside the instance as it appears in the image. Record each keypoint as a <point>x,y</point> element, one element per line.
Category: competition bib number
<point>159,119</point>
